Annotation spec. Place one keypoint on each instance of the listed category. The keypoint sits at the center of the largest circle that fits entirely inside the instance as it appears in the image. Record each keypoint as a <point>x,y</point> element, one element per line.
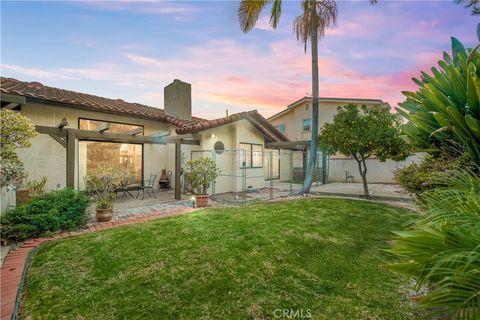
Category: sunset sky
<point>131,50</point>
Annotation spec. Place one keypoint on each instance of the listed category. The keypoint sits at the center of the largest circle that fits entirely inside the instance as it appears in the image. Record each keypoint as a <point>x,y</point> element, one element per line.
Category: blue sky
<point>131,50</point>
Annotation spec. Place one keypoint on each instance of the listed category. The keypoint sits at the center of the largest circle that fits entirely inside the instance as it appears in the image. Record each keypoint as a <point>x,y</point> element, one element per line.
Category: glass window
<point>252,157</point>
<point>257,156</point>
<point>281,128</point>
<point>307,124</point>
<point>307,107</point>
<point>86,124</point>
<point>126,155</point>
<point>246,155</point>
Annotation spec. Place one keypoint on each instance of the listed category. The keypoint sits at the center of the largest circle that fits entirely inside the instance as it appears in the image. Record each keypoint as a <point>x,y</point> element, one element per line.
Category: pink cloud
<point>242,77</point>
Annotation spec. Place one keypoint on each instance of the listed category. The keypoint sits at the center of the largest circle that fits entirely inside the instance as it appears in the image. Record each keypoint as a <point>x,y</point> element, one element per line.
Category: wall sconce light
<point>213,135</point>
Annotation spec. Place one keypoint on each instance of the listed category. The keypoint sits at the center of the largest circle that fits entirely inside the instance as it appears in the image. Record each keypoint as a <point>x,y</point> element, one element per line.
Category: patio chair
<point>148,185</point>
<point>348,176</point>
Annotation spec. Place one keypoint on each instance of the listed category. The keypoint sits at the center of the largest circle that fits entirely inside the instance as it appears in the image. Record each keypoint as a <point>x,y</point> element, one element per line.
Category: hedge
<point>50,213</point>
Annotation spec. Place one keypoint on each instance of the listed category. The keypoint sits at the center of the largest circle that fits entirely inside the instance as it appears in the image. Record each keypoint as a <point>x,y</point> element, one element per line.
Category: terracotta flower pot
<point>104,215</point>
<point>202,201</point>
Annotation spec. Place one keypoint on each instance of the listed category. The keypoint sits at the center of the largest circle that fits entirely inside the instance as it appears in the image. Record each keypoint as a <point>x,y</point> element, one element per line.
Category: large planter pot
<point>202,201</point>
<point>104,215</point>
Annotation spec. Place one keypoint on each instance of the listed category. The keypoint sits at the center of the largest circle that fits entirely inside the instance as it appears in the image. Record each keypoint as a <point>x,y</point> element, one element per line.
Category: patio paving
<point>125,206</point>
<point>377,190</point>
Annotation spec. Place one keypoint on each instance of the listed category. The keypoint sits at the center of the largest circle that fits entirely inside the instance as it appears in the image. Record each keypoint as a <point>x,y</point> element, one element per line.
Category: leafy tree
<point>316,17</point>
<point>364,132</point>
<point>15,132</point>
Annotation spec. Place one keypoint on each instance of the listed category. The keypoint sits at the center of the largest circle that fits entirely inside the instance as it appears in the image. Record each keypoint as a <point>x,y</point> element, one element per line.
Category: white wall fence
<point>377,171</point>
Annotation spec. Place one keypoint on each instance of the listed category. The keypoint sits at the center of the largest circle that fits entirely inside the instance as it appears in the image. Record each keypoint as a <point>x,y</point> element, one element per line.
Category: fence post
<point>291,171</point>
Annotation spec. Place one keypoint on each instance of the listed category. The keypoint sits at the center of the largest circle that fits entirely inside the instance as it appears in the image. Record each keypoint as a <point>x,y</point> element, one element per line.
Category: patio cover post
<point>178,169</point>
<point>71,158</point>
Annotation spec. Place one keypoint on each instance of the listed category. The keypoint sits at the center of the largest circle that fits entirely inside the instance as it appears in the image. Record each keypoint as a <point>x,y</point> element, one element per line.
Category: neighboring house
<point>143,139</point>
<point>295,122</point>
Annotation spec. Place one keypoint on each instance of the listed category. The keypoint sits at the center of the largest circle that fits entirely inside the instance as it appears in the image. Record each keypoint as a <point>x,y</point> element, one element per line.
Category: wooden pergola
<point>68,136</point>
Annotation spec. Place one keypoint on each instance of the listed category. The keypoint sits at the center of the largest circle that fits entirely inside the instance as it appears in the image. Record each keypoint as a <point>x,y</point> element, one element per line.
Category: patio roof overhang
<point>288,145</point>
<point>67,137</point>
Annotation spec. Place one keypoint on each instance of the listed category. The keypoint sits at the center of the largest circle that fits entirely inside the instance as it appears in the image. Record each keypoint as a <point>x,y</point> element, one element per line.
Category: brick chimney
<point>177,98</point>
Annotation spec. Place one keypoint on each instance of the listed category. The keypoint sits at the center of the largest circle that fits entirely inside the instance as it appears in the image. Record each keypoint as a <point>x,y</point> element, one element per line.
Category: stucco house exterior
<point>295,122</point>
<point>79,131</point>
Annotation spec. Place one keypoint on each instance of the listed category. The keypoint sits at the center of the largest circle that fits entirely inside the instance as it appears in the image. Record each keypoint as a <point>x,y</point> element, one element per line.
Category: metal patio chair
<point>348,176</point>
<point>148,185</point>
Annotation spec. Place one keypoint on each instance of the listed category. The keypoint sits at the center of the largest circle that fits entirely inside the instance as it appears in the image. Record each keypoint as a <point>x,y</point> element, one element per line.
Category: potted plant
<point>202,172</point>
<point>101,182</point>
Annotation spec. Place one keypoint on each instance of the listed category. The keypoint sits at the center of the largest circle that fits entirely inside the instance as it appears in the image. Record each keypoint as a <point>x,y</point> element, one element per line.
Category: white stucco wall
<point>377,171</point>
<point>229,162</point>
<point>47,157</point>
<point>293,119</point>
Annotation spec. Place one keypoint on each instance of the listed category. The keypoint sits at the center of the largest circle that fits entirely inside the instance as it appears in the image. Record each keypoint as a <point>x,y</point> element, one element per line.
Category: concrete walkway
<point>377,190</point>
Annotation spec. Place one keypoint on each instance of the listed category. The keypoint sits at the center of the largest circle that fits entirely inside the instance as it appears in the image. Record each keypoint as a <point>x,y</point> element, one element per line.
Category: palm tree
<point>316,17</point>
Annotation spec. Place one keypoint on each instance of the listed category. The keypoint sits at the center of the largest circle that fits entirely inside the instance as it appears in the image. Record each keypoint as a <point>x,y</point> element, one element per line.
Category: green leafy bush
<point>442,250</point>
<point>52,212</point>
<point>417,178</point>
<point>202,171</point>
<point>102,181</point>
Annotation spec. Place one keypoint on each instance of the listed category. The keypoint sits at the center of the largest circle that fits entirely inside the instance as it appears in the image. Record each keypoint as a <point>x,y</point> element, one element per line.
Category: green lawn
<point>322,256</point>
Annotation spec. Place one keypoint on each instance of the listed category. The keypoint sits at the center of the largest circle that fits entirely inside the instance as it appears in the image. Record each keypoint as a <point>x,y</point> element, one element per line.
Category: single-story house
<point>80,131</point>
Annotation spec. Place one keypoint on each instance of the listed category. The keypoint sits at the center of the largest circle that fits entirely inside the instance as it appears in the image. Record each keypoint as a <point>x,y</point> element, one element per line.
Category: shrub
<point>102,181</point>
<point>442,250</point>
<point>15,132</point>
<point>52,212</point>
<point>203,171</point>
<point>416,178</point>
<point>445,110</point>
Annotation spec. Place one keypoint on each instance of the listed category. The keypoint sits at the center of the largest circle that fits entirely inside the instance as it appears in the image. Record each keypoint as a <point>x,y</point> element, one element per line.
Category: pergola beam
<point>71,149</point>
<point>160,134</point>
<point>59,139</point>
<point>11,105</point>
<point>135,131</point>
<point>178,169</point>
<point>288,145</point>
<point>118,137</point>
<point>7,97</point>
<point>105,126</point>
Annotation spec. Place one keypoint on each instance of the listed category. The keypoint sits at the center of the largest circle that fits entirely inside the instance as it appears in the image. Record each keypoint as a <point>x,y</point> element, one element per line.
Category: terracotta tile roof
<point>36,90</point>
<point>46,94</point>
<point>271,133</point>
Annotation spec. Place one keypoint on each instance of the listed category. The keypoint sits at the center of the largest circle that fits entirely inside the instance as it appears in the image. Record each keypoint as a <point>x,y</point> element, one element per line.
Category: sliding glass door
<point>125,155</point>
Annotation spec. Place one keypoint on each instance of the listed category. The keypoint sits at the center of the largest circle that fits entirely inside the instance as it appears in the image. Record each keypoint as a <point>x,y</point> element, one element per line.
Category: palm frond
<point>249,12</point>
<point>443,248</point>
<point>275,13</point>
<point>323,16</point>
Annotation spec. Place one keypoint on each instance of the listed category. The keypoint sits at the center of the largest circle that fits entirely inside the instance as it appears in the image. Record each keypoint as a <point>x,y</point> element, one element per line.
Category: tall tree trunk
<point>362,166</point>
<point>312,157</point>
